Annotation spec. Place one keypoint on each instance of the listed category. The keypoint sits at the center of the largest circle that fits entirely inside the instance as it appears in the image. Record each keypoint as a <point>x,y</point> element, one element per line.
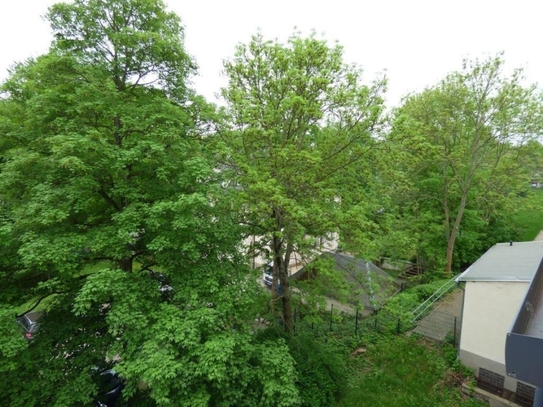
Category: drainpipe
<point>538,397</point>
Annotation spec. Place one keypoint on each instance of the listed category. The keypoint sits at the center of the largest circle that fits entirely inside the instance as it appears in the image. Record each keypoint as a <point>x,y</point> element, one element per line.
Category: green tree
<point>459,142</point>
<point>115,224</point>
<point>297,118</point>
<point>533,164</point>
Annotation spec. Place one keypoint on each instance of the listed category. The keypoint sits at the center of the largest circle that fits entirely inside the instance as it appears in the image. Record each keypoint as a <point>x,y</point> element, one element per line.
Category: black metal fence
<point>359,323</point>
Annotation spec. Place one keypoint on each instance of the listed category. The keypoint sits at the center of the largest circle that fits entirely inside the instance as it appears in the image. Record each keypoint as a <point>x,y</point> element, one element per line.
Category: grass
<point>46,302</point>
<point>528,218</point>
<point>401,371</point>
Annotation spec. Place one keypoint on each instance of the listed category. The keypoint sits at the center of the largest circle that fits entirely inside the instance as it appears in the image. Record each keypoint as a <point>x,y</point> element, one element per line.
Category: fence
<point>440,326</point>
<point>438,323</point>
<point>344,324</point>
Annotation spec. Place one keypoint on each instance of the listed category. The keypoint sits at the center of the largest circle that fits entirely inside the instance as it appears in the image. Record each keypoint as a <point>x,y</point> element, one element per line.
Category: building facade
<point>494,290</point>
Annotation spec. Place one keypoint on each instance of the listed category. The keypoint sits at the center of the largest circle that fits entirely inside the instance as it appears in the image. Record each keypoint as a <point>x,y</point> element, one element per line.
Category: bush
<point>321,369</point>
<point>320,365</point>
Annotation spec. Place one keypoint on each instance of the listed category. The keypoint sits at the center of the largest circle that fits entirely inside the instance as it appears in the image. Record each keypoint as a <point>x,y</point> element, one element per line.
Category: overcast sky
<point>417,42</point>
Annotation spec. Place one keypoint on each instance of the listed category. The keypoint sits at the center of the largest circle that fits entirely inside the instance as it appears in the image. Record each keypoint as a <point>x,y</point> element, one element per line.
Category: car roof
<point>33,316</point>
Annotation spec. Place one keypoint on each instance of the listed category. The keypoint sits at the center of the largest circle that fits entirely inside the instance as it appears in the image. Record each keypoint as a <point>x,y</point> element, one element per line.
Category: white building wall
<point>489,311</point>
<point>328,243</point>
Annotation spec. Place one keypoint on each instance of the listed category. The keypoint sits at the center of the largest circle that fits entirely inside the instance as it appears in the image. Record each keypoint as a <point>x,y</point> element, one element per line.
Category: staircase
<point>411,270</point>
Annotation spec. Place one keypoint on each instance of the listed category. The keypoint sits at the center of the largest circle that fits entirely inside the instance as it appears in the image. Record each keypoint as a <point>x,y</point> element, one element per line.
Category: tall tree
<point>298,116</point>
<point>457,139</point>
<point>112,217</point>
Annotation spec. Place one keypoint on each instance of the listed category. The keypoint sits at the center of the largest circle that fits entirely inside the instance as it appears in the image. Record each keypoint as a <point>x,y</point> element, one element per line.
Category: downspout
<point>538,397</point>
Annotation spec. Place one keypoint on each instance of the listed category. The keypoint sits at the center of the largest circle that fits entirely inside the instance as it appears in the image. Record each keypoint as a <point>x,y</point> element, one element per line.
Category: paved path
<point>440,321</point>
<point>539,236</point>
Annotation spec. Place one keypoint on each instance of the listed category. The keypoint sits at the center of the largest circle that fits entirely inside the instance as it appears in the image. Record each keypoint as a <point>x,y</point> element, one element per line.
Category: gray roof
<point>506,262</point>
<point>368,283</point>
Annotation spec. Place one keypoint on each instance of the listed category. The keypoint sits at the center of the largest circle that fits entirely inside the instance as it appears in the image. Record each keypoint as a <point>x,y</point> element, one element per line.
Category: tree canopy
<point>461,144</point>
<point>111,216</point>
<point>127,202</point>
<point>297,118</point>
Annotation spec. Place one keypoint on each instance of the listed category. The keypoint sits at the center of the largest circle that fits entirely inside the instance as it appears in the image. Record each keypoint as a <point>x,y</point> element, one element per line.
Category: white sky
<point>416,41</point>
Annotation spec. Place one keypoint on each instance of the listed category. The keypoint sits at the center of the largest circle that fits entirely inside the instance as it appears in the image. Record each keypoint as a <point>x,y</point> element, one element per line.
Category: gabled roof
<point>506,262</point>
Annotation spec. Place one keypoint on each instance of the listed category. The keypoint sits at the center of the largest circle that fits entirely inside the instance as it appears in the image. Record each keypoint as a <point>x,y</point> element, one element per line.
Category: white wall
<point>489,311</point>
<point>326,243</point>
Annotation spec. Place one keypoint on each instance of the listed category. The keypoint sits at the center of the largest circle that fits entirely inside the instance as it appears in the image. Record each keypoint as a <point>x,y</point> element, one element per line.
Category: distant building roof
<point>506,262</point>
<point>371,284</point>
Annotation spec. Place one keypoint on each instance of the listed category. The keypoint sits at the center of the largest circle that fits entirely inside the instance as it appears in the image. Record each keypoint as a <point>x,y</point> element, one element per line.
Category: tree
<point>461,139</point>
<point>297,117</point>
<point>533,165</point>
<point>115,224</point>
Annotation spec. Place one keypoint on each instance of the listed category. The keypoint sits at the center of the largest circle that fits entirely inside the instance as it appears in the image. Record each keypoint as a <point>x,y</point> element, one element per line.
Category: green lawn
<point>528,218</point>
<point>404,371</point>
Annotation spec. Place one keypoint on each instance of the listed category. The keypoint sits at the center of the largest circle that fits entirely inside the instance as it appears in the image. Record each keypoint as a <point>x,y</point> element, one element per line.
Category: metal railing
<point>440,292</point>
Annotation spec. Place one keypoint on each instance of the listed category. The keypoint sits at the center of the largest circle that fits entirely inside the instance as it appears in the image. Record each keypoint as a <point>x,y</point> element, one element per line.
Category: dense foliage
<point>462,144</point>
<point>113,216</point>
<point>126,201</point>
<point>297,118</point>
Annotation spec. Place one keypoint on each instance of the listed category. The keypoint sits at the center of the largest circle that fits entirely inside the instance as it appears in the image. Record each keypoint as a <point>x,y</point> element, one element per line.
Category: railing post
<point>331,316</point>
<point>454,334</point>
<point>356,323</point>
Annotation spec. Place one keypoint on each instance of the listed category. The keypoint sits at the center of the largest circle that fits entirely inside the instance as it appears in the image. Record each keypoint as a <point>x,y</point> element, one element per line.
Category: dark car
<point>29,324</point>
<point>267,277</point>
<point>111,387</point>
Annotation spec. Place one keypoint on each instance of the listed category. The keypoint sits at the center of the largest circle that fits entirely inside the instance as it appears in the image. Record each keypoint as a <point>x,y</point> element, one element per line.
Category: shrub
<point>320,365</point>
<point>321,369</point>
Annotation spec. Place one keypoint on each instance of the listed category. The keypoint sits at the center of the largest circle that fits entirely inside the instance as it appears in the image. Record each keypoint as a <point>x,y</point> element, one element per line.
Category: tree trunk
<point>451,239</point>
<point>280,268</point>
<point>286,300</point>
<point>126,264</point>
<point>450,251</point>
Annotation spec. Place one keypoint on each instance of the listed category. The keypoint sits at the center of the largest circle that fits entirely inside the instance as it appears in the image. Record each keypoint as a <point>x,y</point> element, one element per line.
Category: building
<point>495,287</point>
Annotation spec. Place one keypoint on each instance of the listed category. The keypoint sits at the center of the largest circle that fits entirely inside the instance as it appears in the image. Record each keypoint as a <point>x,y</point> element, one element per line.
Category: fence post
<point>454,334</point>
<point>398,327</point>
<point>356,323</point>
<point>375,327</point>
<point>331,315</point>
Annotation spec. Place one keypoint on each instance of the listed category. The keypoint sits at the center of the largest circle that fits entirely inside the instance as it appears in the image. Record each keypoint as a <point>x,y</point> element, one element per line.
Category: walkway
<point>440,321</point>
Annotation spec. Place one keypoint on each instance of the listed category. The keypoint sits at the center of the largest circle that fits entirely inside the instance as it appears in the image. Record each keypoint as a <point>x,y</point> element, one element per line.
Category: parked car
<point>267,277</point>
<point>163,284</point>
<point>29,324</point>
<point>111,386</point>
